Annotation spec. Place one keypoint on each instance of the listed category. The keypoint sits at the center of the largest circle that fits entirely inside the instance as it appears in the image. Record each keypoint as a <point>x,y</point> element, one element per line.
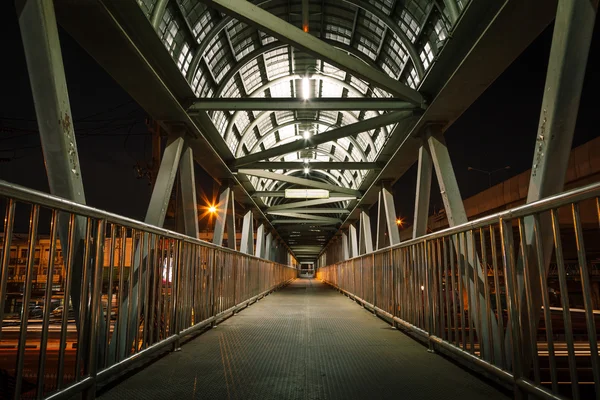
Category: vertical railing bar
<point>141,246</point>
<point>47,301</point>
<point>500,312</point>
<point>119,326</point>
<point>529,302</point>
<point>96,302</point>
<point>565,304</point>
<point>8,232</point>
<point>461,303</point>
<point>455,287</point>
<point>440,303</point>
<point>473,266</point>
<point>154,282</point>
<point>68,265</point>
<point>148,272</point>
<point>587,299</point>
<point>130,318</point>
<point>165,261</point>
<point>111,267</point>
<point>449,290</point>
<point>545,301</point>
<point>83,309</point>
<point>510,280</point>
<point>486,289</point>
<point>468,268</point>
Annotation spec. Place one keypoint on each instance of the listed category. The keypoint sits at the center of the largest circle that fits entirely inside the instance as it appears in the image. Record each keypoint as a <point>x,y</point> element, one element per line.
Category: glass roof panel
<point>207,46</point>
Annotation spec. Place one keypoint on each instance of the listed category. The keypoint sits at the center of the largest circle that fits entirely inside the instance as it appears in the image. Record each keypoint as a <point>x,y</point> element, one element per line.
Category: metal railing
<point>483,293</point>
<point>127,292</point>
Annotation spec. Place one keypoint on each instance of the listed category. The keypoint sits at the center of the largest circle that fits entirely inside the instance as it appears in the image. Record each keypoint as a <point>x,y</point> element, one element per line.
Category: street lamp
<point>489,173</point>
<point>212,209</point>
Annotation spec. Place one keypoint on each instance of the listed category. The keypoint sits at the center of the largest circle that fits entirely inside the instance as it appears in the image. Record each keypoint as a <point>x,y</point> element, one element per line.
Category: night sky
<point>112,136</point>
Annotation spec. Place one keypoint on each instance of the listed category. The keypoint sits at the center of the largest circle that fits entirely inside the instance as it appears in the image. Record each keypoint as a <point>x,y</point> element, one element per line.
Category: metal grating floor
<point>304,342</point>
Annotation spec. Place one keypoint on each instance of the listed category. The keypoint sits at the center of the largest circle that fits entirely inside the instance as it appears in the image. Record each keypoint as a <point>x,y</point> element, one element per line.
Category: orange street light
<point>212,209</point>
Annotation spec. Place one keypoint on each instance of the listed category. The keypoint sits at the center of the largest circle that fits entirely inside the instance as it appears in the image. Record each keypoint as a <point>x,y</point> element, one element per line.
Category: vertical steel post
<point>260,238</point>
<point>424,174</point>
<point>189,202</point>
<point>41,43</point>
<point>247,244</point>
<point>226,217</point>
<point>455,211</point>
<point>365,245</point>
<point>572,36</point>
<point>352,241</point>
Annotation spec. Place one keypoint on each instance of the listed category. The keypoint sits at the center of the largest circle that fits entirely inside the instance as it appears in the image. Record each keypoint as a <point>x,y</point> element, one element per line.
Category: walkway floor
<point>304,342</point>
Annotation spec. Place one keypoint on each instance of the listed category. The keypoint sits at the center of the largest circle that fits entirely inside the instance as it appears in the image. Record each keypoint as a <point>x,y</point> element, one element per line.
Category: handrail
<point>545,204</point>
<point>32,196</point>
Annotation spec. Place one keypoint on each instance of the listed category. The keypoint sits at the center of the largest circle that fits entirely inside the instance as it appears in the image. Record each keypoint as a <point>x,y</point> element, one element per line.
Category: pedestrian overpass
<point>306,113</point>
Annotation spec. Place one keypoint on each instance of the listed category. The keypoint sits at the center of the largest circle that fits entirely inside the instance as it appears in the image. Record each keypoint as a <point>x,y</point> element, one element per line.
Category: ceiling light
<point>306,170</point>
<point>306,194</point>
<point>306,135</point>
<point>305,89</point>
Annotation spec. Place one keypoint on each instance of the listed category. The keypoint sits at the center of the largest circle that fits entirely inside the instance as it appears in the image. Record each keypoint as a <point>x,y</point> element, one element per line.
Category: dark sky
<point>498,130</point>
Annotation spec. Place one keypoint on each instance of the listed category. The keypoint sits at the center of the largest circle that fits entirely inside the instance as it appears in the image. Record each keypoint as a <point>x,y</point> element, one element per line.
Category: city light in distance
<point>400,221</point>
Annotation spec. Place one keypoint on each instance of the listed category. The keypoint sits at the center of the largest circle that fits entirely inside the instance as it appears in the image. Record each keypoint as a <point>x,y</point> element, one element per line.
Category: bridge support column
<point>189,203</point>
<point>247,244</point>
<point>386,219</point>
<point>424,174</point>
<point>573,29</point>
<point>455,211</point>
<point>260,240</point>
<point>345,253</point>
<point>226,217</point>
<point>268,246</point>
<point>365,244</point>
<point>352,242</point>
<point>41,44</point>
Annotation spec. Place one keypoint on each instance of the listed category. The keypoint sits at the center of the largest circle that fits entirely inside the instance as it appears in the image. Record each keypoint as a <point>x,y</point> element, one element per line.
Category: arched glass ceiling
<point>223,57</point>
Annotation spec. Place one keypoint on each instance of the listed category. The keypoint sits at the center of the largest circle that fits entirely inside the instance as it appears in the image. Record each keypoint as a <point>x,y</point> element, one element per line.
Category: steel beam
<point>352,241</point>
<point>247,244</point>
<point>281,193</point>
<point>283,104</point>
<point>345,249</point>
<point>189,202</point>
<point>351,165</point>
<point>268,246</point>
<point>424,173</point>
<point>306,216</point>
<point>453,11</point>
<point>365,241</point>
<point>298,181</point>
<point>348,130</point>
<point>161,193</point>
<point>309,211</point>
<point>314,222</point>
<point>455,211</point>
<point>386,220</point>
<point>307,203</point>
<point>158,12</point>
<point>260,241</point>
<point>226,209</point>
<point>41,43</point>
<point>288,33</point>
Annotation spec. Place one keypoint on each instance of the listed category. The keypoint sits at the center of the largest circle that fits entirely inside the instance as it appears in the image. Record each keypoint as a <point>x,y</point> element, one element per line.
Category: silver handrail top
<point>548,203</point>
<point>32,196</point>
